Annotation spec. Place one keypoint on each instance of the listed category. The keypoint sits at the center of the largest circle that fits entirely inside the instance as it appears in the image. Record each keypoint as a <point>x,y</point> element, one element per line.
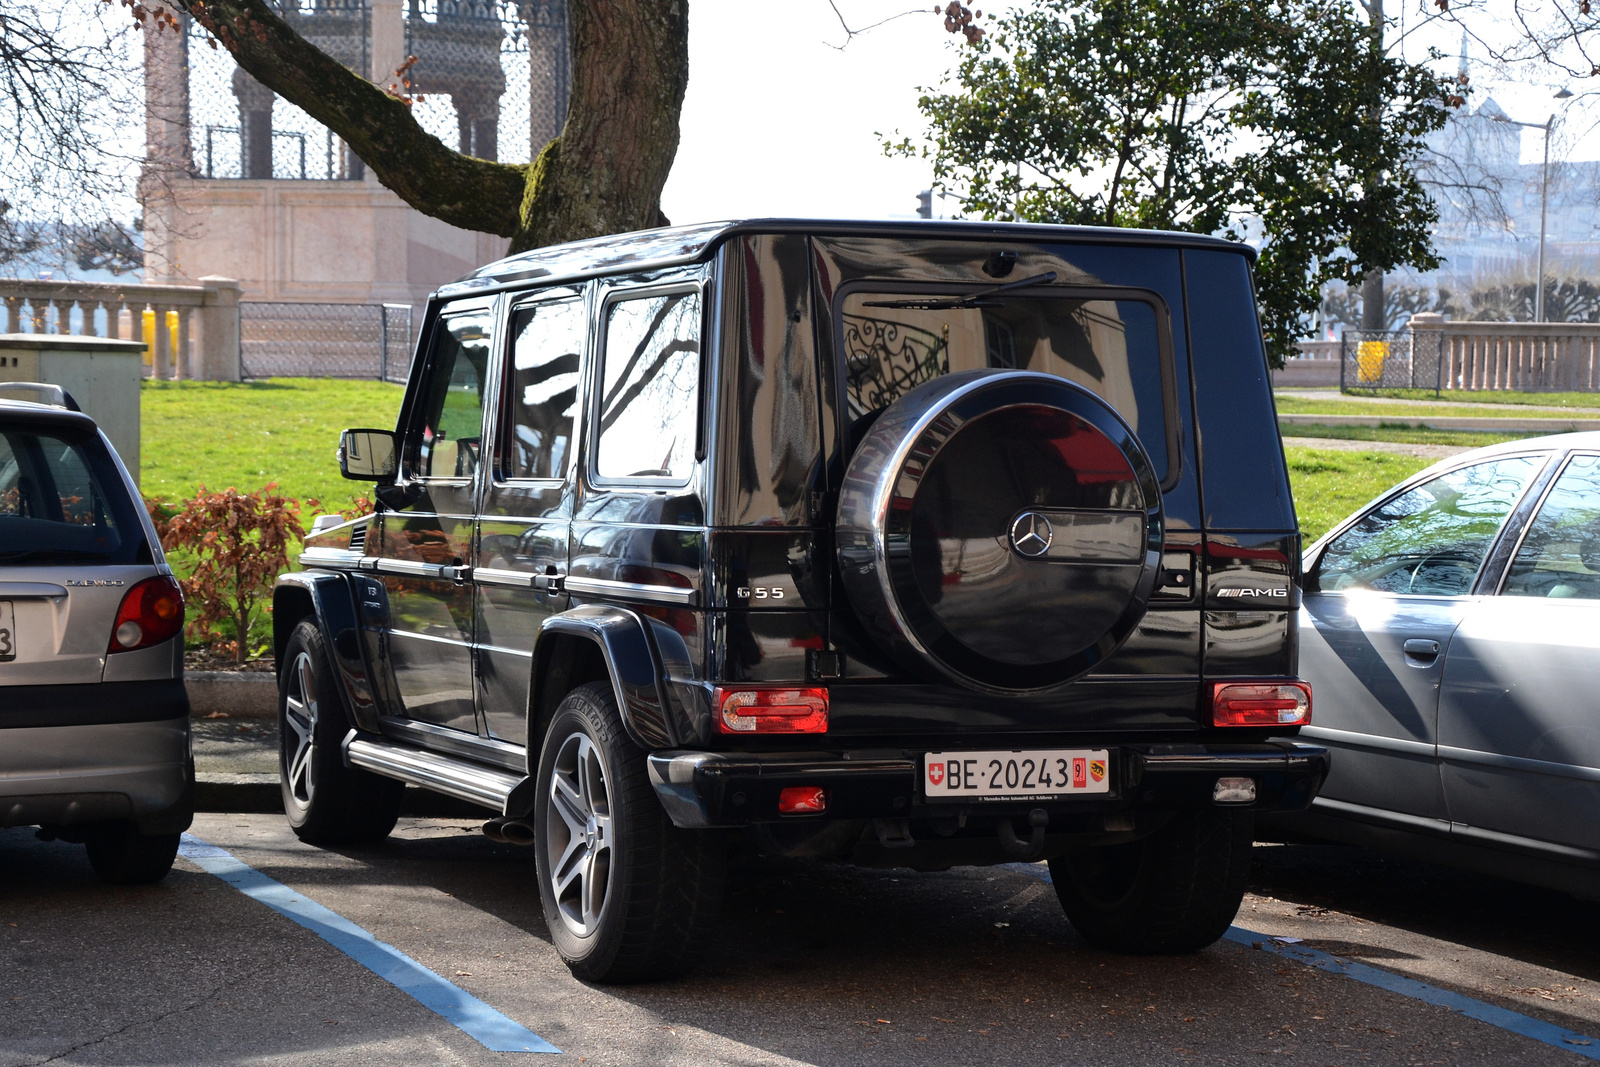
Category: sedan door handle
<point>1422,648</point>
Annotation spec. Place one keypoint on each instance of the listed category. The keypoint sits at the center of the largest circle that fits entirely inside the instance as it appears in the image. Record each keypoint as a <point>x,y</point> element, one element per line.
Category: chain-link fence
<point>325,340</point>
<point>489,77</point>
<point>1389,359</point>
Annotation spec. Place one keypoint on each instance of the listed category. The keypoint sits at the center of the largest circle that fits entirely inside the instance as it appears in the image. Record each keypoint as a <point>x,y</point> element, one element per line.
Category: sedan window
<point>1432,539</point>
<point>1560,556</point>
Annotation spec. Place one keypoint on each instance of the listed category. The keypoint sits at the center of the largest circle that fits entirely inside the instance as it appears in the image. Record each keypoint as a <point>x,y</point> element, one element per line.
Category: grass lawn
<point>1337,405</point>
<point>247,434</point>
<point>1294,405</point>
<point>1463,396</point>
<point>1403,434</point>
<point>1329,485</point>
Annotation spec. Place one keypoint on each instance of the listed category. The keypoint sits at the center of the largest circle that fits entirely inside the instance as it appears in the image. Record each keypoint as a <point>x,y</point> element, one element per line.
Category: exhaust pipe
<point>509,832</point>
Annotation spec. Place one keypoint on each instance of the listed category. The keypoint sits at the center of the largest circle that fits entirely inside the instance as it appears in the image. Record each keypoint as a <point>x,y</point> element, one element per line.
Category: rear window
<point>63,501</point>
<point>1115,344</point>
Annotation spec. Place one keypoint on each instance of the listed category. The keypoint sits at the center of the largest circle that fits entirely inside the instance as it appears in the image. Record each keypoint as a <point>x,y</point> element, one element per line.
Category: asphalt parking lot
<point>814,964</point>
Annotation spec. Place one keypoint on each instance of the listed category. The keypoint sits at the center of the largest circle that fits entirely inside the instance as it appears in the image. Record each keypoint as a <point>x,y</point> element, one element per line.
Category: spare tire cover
<point>1001,529</point>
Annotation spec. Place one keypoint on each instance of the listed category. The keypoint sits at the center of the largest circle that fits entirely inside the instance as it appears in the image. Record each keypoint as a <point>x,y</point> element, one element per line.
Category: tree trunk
<point>1372,310</point>
<point>1373,315</point>
<point>603,175</point>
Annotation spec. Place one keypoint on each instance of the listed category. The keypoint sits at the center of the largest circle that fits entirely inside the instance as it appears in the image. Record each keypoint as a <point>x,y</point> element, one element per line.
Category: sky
<point>779,121</point>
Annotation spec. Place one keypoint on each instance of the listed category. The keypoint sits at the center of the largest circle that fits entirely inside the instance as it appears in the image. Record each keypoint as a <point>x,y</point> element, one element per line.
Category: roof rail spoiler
<point>50,395</point>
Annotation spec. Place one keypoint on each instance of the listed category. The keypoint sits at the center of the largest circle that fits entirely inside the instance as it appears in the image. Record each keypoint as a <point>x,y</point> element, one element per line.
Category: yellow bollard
<point>148,336</point>
<point>172,335</point>
<point>1370,357</point>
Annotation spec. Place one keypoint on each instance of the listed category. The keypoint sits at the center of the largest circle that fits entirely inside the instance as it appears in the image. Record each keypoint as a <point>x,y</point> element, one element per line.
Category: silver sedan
<point>1451,633</point>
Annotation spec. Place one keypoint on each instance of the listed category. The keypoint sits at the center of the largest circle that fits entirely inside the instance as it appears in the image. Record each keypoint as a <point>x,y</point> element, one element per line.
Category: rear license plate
<point>1016,775</point>
<point>8,629</point>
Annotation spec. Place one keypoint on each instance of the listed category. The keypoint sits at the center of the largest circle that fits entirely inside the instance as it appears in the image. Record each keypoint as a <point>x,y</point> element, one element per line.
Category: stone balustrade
<point>1526,356</point>
<point>189,331</point>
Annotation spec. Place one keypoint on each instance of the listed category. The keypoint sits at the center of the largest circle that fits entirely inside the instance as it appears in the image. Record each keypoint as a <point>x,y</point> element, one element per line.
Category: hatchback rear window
<point>1114,343</point>
<point>62,500</point>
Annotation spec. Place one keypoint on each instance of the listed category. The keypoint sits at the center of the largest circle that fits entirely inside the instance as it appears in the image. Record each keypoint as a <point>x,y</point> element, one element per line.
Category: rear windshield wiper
<point>978,299</point>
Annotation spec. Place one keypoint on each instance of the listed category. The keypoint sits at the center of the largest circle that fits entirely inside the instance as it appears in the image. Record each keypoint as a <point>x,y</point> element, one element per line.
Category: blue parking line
<point>1471,1007</point>
<point>496,1032</point>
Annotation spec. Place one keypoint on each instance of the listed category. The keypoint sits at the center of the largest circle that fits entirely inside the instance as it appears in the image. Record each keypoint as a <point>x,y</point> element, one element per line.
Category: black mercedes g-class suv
<point>904,544</point>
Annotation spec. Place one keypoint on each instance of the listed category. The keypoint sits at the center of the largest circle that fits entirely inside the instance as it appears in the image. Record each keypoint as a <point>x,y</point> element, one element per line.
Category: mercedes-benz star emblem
<point>1031,534</point>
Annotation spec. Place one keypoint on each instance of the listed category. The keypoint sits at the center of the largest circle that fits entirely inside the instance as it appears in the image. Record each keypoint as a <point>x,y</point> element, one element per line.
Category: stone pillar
<point>168,158</point>
<point>548,67</point>
<point>255,125</point>
<point>217,347</point>
<point>387,41</point>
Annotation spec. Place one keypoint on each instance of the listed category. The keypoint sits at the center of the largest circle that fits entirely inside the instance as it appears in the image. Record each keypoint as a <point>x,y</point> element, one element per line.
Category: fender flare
<point>643,659</point>
<point>333,607</point>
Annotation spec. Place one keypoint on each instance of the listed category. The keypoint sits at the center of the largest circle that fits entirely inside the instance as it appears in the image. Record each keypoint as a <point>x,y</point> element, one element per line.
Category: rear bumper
<point>712,789</point>
<point>25,707</point>
<point>68,775</point>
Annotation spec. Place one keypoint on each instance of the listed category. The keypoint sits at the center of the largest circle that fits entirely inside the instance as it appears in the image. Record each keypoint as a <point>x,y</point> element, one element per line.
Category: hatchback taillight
<point>1260,704</point>
<point>151,612</point>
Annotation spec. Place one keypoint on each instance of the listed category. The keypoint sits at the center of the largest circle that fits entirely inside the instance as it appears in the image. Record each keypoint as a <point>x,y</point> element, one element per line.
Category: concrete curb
<point>236,694</point>
<point>1437,422</point>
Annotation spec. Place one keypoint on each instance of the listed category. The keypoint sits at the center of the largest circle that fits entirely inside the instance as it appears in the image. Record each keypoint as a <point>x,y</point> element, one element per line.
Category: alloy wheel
<point>578,834</point>
<point>300,716</point>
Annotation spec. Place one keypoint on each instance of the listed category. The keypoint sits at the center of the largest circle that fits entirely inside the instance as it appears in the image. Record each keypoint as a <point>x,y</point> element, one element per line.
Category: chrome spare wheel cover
<point>577,834</point>
<point>300,716</point>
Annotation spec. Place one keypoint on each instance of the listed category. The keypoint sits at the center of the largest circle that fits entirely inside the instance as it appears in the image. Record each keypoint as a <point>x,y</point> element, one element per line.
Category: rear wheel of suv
<point>121,855</point>
<point>327,802</point>
<point>1176,890</point>
<point>627,896</point>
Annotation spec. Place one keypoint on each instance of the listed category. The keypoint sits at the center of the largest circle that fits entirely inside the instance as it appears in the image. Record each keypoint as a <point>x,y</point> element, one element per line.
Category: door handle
<point>1421,648</point>
<point>549,582</point>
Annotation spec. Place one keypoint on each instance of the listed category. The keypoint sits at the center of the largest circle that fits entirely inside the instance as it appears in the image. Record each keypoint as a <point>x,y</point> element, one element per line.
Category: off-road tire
<point>663,885</point>
<point>1176,890</point>
<point>327,802</point>
<point>121,855</point>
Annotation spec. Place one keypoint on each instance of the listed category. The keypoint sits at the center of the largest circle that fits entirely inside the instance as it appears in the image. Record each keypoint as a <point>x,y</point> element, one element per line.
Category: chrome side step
<point>458,778</point>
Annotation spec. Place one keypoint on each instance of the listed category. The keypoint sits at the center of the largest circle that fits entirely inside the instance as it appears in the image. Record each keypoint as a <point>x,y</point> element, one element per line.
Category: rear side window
<point>62,501</point>
<point>1560,555</point>
<point>650,388</point>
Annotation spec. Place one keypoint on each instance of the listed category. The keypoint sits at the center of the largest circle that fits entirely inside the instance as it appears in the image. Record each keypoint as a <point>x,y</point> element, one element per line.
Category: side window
<point>1430,540</point>
<point>449,425</point>
<point>1560,555</point>
<point>542,388</point>
<point>650,388</point>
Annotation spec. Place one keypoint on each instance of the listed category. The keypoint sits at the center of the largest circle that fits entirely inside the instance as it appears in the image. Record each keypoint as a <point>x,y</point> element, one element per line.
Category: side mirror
<point>368,456</point>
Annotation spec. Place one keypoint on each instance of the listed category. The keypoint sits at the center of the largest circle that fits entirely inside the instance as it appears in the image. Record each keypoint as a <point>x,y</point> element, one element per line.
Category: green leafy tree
<point>1249,119</point>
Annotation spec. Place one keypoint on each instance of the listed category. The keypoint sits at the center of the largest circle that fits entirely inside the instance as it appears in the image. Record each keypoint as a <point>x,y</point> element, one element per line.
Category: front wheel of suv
<point>327,802</point>
<point>1176,890</point>
<point>627,895</point>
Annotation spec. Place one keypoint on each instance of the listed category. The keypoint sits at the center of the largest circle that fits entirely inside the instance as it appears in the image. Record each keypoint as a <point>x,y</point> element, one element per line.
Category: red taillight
<point>151,613</point>
<point>803,800</point>
<point>1260,704</point>
<point>771,711</point>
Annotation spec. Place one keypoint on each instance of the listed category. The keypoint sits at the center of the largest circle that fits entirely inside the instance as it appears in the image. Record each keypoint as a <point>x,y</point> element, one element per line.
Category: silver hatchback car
<point>94,720</point>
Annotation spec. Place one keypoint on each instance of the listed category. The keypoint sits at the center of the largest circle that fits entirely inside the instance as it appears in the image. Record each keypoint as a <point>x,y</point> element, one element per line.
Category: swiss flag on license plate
<point>935,773</point>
